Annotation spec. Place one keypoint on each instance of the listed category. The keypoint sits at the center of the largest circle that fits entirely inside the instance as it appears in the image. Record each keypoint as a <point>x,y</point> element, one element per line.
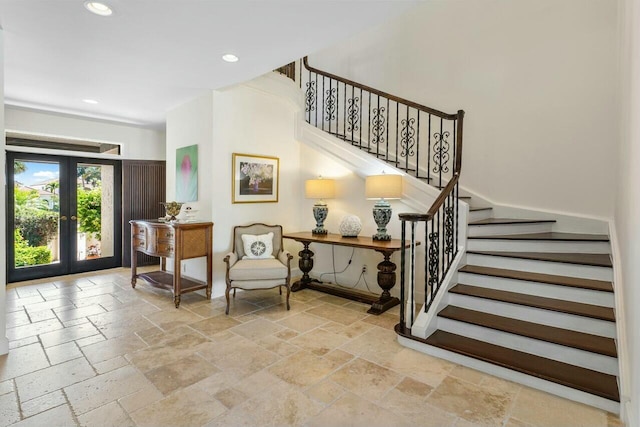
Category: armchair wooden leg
<point>234,292</point>
<point>288,293</point>
<point>226,294</point>
<point>280,289</point>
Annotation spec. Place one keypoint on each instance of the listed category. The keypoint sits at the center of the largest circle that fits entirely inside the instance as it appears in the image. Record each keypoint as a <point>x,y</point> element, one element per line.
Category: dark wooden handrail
<point>381,93</point>
<point>437,204</point>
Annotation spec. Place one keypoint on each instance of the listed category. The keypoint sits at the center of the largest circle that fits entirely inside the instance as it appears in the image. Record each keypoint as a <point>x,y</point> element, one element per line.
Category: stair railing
<point>424,142</point>
<point>410,136</point>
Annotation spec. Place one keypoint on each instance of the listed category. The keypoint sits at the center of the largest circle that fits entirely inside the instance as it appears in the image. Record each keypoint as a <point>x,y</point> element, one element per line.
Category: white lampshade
<point>320,188</point>
<point>383,187</point>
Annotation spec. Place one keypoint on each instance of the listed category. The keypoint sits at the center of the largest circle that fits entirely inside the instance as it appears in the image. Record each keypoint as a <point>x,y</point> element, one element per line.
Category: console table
<point>386,268</point>
<point>172,240</point>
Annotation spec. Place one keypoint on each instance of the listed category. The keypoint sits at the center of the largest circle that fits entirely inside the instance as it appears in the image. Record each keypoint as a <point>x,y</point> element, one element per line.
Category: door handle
<point>73,217</point>
<point>63,218</point>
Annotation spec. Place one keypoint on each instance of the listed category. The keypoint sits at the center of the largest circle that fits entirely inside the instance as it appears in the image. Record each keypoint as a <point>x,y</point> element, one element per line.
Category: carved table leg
<point>386,281</point>
<point>306,265</point>
<point>176,300</point>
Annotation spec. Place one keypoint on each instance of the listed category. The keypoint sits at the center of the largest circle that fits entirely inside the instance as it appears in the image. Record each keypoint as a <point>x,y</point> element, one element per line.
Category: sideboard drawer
<point>139,243</point>
<point>165,249</point>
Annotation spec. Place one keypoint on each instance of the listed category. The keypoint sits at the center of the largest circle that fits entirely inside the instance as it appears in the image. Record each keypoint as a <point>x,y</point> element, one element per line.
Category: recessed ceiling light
<point>98,8</point>
<point>90,101</point>
<point>230,57</point>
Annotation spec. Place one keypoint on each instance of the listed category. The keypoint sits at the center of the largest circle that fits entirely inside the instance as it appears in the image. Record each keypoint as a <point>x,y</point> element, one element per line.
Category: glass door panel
<point>95,211</point>
<point>64,215</point>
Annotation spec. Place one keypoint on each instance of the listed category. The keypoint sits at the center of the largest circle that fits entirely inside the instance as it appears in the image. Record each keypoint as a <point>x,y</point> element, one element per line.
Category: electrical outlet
<point>364,268</point>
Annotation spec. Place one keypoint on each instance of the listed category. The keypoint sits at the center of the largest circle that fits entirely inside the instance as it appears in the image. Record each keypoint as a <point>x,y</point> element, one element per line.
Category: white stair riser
<point>500,229</point>
<point>536,315</point>
<point>508,245</point>
<point>481,214</point>
<point>585,296</point>
<point>517,377</point>
<point>560,353</point>
<point>545,267</point>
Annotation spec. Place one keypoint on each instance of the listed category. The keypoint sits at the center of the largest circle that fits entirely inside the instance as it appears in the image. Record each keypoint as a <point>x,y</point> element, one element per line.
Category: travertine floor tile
<point>256,329</point>
<point>110,415</point>
<point>169,319</point>
<point>351,411</point>
<point>63,352</point>
<point>34,329</point>
<point>325,362</point>
<point>141,398</point>
<point>471,402</point>
<point>9,412</point>
<point>326,392</point>
<point>336,314</point>
<point>42,403</point>
<point>285,406</point>
<point>108,349</point>
<point>17,318</point>
<point>184,407</point>
<point>366,379</point>
<point>59,416</point>
<point>214,325</point>
<point>53,378</point>
<point>97,391</point>
<point>541,409</point>
<point>173,376</point>
<point>319,341</point>
<point>71,333</point>
<point>6,387</point>
<point>302,369</point>
<point>302,322</point>
<point>22,360</point>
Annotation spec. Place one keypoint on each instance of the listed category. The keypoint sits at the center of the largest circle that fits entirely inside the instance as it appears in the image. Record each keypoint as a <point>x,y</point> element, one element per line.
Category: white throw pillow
<point>257,247</point>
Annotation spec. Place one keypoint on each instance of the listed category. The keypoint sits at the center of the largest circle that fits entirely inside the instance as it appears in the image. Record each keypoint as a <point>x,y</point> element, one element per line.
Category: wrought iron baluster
<point>403,250</point>
<point>418,144</point>
<point>413,270</point>
<point>386,156</point>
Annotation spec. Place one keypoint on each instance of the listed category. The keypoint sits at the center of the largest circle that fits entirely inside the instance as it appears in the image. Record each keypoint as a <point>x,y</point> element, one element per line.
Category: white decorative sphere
<point>350,226</point>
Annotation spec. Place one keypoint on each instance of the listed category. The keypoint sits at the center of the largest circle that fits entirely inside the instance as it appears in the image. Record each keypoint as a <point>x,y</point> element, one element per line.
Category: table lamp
<point>320,189</point>
<point>383,187</point>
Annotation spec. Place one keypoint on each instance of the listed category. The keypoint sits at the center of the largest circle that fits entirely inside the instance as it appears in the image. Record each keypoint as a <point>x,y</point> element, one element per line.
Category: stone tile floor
<point>90,350</point>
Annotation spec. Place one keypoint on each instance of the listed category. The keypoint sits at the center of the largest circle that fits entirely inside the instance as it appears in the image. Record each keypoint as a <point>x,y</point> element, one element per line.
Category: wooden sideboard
<point>175,240</point>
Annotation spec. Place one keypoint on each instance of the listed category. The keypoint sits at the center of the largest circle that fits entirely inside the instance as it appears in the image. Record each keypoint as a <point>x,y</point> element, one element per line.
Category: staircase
<point>533,306</point>
<point>511,296</point>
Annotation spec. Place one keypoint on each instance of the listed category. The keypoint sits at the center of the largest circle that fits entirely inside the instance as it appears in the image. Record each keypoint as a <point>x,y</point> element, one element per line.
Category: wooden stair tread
<point>579,340</point>
<point>476,209</point>
<point>496,221</point>
<point>596,260</point>
<point>553,236</point>
<point>551,304</point>
<point>574,282</point>
<point>592,382</point>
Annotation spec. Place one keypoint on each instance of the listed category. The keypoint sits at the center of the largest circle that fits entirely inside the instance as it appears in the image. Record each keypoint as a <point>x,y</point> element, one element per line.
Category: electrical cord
<point>334,272</point>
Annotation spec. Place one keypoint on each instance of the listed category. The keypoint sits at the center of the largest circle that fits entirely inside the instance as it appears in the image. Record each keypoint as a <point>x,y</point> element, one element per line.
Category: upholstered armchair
<point>258,260</point>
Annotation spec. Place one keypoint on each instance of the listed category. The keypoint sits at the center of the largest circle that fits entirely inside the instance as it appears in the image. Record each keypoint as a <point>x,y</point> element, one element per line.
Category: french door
<point>63,215</point>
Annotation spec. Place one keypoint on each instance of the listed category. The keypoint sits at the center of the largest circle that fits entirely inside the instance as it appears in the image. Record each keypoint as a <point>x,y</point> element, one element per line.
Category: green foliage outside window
<point>89,211</point>
<point>29,255</point>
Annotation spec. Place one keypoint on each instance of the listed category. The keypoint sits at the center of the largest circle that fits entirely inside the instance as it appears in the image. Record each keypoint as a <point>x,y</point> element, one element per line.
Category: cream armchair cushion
<point>272,270</point>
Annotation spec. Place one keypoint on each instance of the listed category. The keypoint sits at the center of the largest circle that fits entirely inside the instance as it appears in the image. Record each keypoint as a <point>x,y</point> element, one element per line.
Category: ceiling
<point>153,55</point>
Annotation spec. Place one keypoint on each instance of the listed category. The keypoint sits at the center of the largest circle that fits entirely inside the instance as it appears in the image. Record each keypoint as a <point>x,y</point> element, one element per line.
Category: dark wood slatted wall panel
<point>143,188</point>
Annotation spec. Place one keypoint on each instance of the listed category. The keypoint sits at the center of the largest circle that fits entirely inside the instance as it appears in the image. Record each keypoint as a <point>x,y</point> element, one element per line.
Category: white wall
<point>537,79</point>
<point>4,342</point>
<point>137,142</point>
<point>247,119</point>
<point>192,124</point>
<point>627,207</point>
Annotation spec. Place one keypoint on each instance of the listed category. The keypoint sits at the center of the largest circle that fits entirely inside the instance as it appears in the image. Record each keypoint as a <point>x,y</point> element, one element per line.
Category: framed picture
<point>255,178</point>
<point>187,174</point>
